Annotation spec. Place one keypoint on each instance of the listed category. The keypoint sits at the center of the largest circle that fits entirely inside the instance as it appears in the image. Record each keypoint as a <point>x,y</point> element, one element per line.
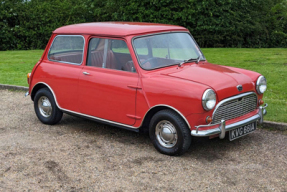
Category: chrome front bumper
<point>222,128</point>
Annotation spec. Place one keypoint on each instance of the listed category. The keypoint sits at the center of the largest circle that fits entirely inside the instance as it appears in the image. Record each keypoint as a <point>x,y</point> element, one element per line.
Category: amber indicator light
<point>28,77</point>
<point>208,119</point>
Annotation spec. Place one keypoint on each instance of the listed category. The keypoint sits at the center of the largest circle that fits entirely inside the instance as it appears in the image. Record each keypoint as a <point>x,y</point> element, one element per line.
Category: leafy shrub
<point>27,24</point>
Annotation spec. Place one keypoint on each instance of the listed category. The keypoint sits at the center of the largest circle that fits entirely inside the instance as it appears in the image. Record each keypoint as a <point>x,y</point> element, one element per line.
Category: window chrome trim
<point>166,32</point>
<point>105,53</point>
<point>232,98</point>
<point>65,61</point>
<point>108,121</point>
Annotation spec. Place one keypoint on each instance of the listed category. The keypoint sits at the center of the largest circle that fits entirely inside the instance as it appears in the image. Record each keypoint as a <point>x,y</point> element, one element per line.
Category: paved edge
<point>266,124</point>
<point>14,87</point>
<point>275,125</point>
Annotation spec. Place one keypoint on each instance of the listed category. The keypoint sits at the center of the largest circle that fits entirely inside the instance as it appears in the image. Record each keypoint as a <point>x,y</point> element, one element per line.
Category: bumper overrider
<point>222,127</point>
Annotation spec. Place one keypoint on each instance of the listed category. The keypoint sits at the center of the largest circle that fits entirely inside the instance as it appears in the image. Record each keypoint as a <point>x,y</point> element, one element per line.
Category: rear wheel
<point>46,108</point>
<point>169,133</point>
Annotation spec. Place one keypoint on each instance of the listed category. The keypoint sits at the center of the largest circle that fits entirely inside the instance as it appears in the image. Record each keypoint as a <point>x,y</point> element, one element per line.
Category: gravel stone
<point>82,155</point>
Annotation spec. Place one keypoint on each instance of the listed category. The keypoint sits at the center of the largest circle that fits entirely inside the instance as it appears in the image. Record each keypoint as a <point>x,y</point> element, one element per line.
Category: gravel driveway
<point>82,155</point>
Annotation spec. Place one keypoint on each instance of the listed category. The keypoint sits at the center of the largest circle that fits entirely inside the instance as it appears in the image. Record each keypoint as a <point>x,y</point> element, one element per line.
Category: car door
<point>61,70</point>
<point>108,82</point>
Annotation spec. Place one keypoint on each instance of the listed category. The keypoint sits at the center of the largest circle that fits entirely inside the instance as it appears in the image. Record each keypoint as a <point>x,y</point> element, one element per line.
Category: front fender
<point>185,96</point>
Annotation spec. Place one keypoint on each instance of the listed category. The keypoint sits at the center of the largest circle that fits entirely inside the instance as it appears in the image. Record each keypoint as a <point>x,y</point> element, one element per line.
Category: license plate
<point>241,131</point>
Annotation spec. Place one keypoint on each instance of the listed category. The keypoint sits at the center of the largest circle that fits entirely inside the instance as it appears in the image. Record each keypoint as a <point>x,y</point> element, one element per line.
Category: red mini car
<point>148,77</point>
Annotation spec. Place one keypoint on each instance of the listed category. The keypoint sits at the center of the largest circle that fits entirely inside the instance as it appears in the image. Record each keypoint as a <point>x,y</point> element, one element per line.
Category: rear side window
<point>67,49</point>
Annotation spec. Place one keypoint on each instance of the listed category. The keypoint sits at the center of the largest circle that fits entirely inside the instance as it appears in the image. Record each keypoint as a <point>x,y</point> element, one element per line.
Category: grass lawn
<point>272,63</point>
<point>14,66</point>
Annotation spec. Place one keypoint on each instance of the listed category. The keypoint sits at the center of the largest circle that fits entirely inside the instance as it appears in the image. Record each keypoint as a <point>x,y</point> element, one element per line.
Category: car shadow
<point>204,149</point>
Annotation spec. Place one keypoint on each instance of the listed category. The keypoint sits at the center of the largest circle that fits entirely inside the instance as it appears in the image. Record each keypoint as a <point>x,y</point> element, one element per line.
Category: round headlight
<point>208,99</point>
<point>261,85</point>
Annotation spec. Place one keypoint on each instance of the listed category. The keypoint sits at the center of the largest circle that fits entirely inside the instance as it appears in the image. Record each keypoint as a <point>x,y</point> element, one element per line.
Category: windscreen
<point>165,49</point>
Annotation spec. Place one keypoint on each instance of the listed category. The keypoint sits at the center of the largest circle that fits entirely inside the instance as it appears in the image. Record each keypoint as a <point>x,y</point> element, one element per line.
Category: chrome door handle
<point>86,73</point>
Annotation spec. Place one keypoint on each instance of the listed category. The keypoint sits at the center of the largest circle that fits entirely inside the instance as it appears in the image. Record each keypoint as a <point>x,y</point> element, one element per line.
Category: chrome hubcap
<point>45,106</point>
<point>166,134</point>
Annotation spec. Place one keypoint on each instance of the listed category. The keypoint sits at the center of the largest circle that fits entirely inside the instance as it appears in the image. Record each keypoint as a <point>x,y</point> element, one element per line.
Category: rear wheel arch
<point>39,86</point>
<point>36,88</point>
<point>45,107</point>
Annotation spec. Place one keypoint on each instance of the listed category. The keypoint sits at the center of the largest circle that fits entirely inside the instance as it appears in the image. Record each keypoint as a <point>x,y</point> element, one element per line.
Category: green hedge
<point>27,24</point>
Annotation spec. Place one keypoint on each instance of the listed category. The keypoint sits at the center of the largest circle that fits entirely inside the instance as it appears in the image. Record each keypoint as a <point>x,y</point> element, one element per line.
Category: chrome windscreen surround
<point>234,107</point>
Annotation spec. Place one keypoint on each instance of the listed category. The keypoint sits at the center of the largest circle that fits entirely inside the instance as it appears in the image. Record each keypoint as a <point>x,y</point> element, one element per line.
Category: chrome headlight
<point>261,85</point>
<point>208,99</point>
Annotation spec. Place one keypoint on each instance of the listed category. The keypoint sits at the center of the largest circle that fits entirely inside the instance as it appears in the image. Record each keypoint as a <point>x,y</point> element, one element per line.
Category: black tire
<point>53,114</point>
<point>170,118</point>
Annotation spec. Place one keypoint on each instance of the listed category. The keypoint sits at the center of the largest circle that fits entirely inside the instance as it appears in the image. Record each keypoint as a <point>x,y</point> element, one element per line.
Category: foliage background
<point>28,24</point>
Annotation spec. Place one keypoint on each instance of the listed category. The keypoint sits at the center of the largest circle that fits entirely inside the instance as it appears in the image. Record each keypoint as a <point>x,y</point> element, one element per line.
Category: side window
<point>110,53</point>
<point>67,49</point>
<point>119,46</point>
<point>96,52</point>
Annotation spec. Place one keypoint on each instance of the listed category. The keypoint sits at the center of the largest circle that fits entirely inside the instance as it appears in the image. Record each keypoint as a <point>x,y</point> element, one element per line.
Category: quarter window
<point>67,49</point>
<point>110,54</point>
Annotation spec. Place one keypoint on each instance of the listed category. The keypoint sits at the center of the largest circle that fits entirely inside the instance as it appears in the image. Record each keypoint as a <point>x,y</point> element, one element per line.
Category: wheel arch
<point>153,110</point>
<point>39,86</point>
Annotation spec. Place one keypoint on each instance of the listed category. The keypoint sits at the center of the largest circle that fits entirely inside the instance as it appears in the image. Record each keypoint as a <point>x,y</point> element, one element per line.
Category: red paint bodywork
<point>124,98</point>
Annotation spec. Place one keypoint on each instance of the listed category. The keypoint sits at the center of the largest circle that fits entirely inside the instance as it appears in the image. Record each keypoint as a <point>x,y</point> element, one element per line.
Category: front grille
<point>235,107</point>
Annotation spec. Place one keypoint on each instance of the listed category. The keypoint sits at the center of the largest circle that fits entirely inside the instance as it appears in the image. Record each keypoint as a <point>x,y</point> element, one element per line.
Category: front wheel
<point>46,108</point>
<point>169,133</point>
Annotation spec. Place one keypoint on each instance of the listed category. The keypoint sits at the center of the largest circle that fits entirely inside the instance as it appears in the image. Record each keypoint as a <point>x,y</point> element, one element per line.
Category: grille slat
<point>234,108</point>
<point>237,109</point>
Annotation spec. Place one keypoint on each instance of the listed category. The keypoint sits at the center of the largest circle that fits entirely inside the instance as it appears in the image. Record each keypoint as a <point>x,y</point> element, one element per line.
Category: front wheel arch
<point>152,111</point>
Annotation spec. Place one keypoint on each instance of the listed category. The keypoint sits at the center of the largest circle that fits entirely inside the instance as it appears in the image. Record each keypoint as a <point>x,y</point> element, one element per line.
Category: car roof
<point>117,28</point>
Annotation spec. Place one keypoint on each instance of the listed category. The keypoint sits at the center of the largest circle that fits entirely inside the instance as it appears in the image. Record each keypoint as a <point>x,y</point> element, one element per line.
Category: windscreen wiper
<point>190,60</point>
